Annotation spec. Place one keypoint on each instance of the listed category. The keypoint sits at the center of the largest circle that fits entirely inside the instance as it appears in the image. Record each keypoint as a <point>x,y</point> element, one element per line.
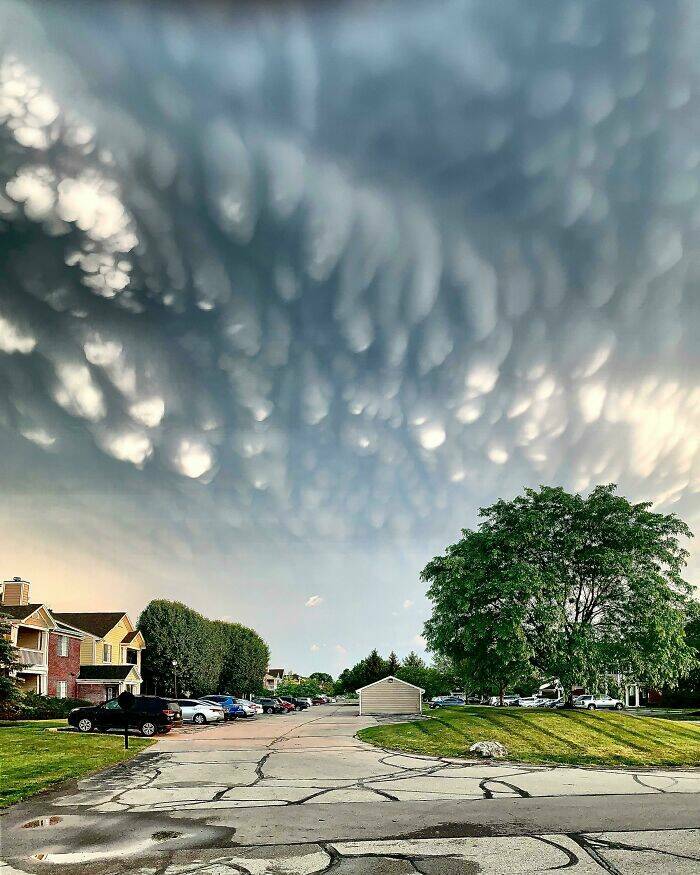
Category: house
<point>110,653</point>
<point>273,678</point>
<point>390,695</point>
<point>48,653</point>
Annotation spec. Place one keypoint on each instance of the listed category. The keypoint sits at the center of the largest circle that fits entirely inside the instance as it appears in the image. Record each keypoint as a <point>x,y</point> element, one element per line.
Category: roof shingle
<point>95,623</point>
<point>18,612</point>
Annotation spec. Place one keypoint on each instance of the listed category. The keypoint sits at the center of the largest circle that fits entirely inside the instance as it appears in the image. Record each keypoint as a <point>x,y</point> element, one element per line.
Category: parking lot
<point>300,787</point>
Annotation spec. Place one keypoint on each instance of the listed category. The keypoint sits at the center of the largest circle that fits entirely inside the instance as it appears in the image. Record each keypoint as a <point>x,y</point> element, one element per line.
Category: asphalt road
<point>299,793</point>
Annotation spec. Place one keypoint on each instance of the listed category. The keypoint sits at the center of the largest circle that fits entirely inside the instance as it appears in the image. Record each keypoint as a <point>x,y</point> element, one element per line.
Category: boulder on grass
<point>489,749</point>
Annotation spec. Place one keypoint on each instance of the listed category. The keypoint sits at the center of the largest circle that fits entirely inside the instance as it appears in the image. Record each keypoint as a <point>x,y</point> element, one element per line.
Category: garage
<point>390,695</point>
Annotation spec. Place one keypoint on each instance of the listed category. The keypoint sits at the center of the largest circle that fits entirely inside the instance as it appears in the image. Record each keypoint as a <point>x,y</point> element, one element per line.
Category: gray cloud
<point>342,276</point>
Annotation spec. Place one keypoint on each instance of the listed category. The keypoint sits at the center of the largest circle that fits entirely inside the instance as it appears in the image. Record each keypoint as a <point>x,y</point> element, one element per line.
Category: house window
<point>62,689</point>
<point>106,653</point>
<point>62,645</point>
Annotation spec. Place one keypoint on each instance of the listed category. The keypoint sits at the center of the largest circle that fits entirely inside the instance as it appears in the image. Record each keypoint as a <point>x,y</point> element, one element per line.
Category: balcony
<point>30,658</point>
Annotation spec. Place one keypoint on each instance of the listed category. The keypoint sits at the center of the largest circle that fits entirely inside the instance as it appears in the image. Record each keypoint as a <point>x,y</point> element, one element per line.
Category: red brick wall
<point>64,668</point>
<point>94,693</point>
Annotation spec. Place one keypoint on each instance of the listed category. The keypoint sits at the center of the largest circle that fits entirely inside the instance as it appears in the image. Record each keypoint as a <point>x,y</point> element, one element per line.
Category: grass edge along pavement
<point>32,759</point>
<point>561,737</point>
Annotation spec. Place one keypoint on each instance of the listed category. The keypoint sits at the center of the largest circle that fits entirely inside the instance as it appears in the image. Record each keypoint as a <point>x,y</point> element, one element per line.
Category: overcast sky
<point>287,293</point>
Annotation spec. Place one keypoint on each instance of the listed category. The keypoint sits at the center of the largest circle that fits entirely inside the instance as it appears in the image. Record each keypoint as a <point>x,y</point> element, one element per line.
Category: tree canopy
<point>434,679</point>
<point>212,656</point>
<point>323,679</point>
<point>562,586</point>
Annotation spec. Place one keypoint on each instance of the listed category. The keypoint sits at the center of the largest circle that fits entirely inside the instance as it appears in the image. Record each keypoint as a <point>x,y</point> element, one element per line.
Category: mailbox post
<point>126,701</point>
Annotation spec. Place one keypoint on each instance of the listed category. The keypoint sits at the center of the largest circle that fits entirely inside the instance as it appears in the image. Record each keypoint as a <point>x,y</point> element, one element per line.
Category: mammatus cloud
<point>274,279</point>
<point>313,601</point>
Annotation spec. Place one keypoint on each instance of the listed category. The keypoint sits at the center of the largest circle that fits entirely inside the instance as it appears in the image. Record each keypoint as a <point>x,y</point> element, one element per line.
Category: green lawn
<point>541,736</point>
<point>31,759</point>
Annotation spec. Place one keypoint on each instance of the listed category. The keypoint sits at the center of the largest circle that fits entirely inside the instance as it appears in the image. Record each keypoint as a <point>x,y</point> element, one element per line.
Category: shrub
<point>35,707</point>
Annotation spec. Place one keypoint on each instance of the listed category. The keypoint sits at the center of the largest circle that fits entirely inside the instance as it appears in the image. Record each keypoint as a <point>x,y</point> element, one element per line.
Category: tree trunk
<point>500,695</point>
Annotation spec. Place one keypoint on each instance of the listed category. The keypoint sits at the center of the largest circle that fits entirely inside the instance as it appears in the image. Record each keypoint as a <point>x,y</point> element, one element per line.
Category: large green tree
<point>565,586</point>
<point>211,655</point>
<point>323,679</point>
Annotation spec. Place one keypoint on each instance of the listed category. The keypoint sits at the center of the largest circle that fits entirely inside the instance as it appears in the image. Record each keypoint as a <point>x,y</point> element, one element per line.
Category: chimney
<point>15,592</point>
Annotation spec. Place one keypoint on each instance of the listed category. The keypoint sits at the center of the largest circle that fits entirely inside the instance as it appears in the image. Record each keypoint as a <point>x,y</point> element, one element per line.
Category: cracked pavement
<point>299,793</point>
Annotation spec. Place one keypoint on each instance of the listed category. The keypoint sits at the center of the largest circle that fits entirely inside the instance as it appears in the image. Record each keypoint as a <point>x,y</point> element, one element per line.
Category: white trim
<point>110,682</point>
<point>114,681</point>
<point>71,631</point>
<point>394,678</point>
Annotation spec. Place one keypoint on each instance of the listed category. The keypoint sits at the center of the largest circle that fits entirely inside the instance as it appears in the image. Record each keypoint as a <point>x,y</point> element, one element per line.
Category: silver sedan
<point>200,712</point>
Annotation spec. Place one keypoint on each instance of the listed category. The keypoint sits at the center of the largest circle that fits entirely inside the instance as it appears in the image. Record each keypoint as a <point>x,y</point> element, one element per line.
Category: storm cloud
<point>329,278</point>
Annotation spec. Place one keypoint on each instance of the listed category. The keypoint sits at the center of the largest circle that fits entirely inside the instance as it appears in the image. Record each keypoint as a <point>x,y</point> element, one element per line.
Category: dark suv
<point>149,715</point>
<point>270,706</point>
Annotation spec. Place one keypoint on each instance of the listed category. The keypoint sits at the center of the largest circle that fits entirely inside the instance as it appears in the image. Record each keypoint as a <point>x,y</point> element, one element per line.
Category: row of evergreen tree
<point>435,679</point>
<point>211,655</point>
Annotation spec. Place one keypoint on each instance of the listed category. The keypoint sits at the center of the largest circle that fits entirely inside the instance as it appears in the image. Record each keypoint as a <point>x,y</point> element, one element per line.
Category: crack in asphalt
<point>598,842</point>
<point>586,846</point>
<point>157,771</point>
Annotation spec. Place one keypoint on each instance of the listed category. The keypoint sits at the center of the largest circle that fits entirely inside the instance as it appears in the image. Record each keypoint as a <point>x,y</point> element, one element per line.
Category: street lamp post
<point>175,672</point>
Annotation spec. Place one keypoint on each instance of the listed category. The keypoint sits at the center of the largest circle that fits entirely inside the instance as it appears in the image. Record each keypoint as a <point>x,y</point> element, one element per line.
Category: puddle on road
<point>42,821</point>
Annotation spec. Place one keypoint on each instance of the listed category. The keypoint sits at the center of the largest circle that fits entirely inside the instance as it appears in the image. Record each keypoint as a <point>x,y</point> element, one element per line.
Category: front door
<point>111,692</point>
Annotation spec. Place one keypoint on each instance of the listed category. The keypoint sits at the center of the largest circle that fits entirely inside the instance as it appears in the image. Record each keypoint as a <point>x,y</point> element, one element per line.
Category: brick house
<point>64,662</point>
<point>93,656</point>
<point>110,653</point>
<point>48,654</point>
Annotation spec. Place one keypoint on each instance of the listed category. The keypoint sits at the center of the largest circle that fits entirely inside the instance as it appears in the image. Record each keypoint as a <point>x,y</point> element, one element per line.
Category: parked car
<point>250,709</point>
<point>594,702</point>
<point>270,706</point>
<point>530,702</point>
<point>287,706</point>
<point>232,710</point>
<point>200,712</point>
<point>447,702</point>
<point>149,715</point>
<point>554,703</point>
<point>299,704</point>
<point>319,700</point>
<point>508,699</point>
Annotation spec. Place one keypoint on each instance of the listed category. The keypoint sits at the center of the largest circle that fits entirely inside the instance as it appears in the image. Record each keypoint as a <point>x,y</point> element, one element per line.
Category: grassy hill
<point>544,736</point>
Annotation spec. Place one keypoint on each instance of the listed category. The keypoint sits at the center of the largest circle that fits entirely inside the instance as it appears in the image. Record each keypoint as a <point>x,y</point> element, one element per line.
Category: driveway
<point>303,790</point>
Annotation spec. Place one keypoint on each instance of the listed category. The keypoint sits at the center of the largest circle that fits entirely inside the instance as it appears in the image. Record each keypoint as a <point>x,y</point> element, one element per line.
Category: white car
<point>252,709</point>
<point>507,700</point>
<point>199,711</point>
<point>531,702</point>
<point>592,703</point>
